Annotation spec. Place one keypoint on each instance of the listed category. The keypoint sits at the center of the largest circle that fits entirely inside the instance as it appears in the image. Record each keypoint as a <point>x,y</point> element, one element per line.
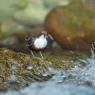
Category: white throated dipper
<point>38,43</point>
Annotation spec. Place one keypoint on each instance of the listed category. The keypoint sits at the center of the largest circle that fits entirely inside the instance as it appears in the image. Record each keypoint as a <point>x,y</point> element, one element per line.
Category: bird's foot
<point>41,55</point>
<point>32,53</point>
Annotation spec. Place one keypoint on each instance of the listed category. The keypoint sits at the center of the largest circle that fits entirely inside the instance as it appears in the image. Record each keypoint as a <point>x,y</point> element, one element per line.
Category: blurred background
<point>68,67</point>
<point>20,18</point>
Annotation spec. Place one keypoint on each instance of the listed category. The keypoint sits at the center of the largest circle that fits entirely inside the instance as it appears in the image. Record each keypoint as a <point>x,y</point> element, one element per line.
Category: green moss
<point>19,69</point>
<point>17,64</point>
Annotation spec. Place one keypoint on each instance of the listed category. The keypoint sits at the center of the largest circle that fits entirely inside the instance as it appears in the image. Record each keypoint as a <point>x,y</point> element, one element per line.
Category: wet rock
<point>14,69</point>
<point>73,26</point>
<point>19,70</point>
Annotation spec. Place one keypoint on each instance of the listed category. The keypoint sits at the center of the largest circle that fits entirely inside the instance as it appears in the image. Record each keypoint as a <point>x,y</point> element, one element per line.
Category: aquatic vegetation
<point>15,69</point>
<point>19,69</point>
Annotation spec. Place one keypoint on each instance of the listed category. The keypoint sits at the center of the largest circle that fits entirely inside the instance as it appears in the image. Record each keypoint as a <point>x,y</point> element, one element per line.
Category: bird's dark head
<point>48,36</point>
<point>44,33</point>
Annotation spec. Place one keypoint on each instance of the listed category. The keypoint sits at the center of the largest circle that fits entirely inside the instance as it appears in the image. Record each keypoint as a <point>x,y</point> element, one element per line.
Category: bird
<point>38,43</point>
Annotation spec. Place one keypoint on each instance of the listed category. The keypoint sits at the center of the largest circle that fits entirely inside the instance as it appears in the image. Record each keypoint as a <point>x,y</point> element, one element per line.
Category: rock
<point>19,70</point>
<point>14,72</point>
<point>73,26</point>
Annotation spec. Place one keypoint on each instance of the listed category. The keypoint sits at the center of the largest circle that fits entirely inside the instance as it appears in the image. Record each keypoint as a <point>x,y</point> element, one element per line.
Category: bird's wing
<point>30,40</point>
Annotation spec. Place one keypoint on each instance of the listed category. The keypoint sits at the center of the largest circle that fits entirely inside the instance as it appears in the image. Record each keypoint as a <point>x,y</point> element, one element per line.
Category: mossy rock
<point>18,69</point>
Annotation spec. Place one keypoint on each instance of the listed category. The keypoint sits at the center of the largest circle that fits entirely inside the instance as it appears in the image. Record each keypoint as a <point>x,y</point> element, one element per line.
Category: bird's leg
<point>41,55</point>
<point>32,53</point>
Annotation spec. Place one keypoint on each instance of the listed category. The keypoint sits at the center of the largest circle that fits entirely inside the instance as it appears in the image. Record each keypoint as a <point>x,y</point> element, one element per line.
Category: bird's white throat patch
<point>40,42</point>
